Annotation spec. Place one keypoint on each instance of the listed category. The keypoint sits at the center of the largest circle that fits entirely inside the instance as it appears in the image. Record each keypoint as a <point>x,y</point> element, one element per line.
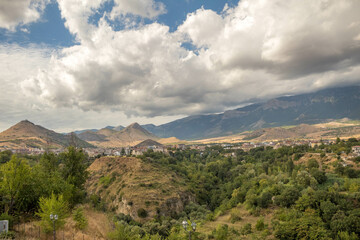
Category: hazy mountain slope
<point>118,128</point>
<point>27,134</point>
<point>309,108</point>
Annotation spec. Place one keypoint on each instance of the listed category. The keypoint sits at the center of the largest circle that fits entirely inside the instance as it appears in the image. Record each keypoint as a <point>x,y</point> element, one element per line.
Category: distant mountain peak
<point>135,125</point>
<point>26,122</point>
<point>27,134</point>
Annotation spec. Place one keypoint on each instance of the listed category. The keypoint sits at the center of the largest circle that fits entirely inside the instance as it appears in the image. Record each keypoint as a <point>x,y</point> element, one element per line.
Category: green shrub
<point>235,216</point>
<point>52,205</point>
<point>260,225</point>
<point>221,233</point>
<point>8,235</point>
<point>142,213</point>
<point>312,163</point>
<point>106,181</point>
<point>79,218</point>
<point>6,216</point>
<point>246,229</point>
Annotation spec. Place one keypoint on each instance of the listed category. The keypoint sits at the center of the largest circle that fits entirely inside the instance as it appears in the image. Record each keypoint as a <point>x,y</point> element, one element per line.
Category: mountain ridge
<point>310,108</point>
<point>27,134</point>
<point>129,136</point>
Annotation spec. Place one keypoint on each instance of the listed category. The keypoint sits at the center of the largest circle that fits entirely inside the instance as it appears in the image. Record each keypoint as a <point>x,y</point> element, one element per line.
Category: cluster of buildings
<point>157,147</point>
<point>356,151</point>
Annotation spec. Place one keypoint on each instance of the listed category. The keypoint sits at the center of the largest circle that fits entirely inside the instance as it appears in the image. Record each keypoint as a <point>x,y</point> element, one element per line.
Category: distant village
<point>157,147</point>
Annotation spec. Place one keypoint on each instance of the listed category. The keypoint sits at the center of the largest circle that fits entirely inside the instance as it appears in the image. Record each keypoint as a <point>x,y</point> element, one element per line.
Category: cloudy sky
<point>75,64</point>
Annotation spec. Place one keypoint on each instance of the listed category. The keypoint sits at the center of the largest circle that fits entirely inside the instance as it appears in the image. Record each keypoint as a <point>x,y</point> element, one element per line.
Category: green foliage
<point>5,156</point>
<point>260,225</point>
<point>8,235</point>
<point>74,172</point>
<point>312,163</point>
<point>123,232</point>
<point>301,226</point>
<point>320,176</point>
<point>52,205</point>
<point>221,232</point>
<point>142,213</point>
<point>287,197</point>
<point>347,236</point>
<point>79,218</point>
<point>246,229</point>
<point>6,216</point>
<point>15,178</point>
<point>235,215</point>
<point>74,169</point>
<point>106,181</point>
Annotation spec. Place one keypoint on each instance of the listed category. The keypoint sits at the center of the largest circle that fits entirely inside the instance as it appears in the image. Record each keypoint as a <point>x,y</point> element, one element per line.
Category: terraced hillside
<point>142,190</point>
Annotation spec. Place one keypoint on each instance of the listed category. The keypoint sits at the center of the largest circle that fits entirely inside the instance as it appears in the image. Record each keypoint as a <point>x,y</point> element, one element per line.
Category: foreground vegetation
<point>288,193</point>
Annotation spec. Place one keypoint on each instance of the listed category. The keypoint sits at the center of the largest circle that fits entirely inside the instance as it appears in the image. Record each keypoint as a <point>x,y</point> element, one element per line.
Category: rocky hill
<point>149,142</point>
<point>26,134</point>
<point>131,186</point>
<point>129,136</point>
<point>322,106</point>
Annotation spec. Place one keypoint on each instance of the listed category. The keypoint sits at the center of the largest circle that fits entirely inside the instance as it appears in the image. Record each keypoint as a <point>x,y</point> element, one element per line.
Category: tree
<point>15,175</point>
<point>79,218</point>
<point>52,205</point>
<point>74,169</point>
<point>318,175</point>
<point>5,156</point>
<point>74,172</point>
<point>49,162</point>
<point>312,163</point>
<point>122,152</point>
<point>288,197</point>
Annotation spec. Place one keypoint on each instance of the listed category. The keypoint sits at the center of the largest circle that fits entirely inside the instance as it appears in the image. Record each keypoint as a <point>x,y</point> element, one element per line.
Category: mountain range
<point>311,108</point>
<point>25,134</point>
<point>112,137</point>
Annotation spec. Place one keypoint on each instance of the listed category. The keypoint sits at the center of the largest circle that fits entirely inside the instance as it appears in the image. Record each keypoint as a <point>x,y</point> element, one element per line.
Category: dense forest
<point>307,196</point>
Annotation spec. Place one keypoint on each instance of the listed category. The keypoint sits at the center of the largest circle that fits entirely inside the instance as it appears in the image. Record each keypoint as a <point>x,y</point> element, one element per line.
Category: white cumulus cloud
<point>20,12</point>
<point>253,51</point>
<point>144,8</point>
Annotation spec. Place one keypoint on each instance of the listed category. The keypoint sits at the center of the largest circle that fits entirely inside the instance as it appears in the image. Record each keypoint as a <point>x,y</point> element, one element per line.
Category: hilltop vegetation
<point>289,193</point>
<point>141,190</point>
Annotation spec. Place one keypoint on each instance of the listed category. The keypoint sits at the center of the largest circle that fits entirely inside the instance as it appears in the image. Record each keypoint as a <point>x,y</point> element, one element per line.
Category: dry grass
<point>208,227</point>
<point>98,228</point>
<point>136,185</point>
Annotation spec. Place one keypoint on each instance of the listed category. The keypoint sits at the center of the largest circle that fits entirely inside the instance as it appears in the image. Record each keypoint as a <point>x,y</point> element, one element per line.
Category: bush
<point>235,215</point>
<point>8,235</point>
<point>318,175</point>
<point>79,218</point>
<point>5,216</point>
<point>288,197</point>
<point>106,181</point>
<point>312,163</point>
<point>142,213</point>
<point>53,205</point>
<point>221,233</point>
<point>246,229</point>
<point>260,225</point>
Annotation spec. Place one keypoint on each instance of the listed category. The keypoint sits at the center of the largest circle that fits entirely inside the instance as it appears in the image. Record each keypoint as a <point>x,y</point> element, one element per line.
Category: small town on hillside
<point>157,147</point>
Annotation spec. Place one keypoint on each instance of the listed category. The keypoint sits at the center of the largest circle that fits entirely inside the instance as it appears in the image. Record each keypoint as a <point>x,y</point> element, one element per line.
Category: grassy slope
<point>128,184</point>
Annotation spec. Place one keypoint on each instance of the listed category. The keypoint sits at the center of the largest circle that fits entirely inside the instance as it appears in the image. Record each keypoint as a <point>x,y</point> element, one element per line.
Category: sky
<point>78,64</point>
